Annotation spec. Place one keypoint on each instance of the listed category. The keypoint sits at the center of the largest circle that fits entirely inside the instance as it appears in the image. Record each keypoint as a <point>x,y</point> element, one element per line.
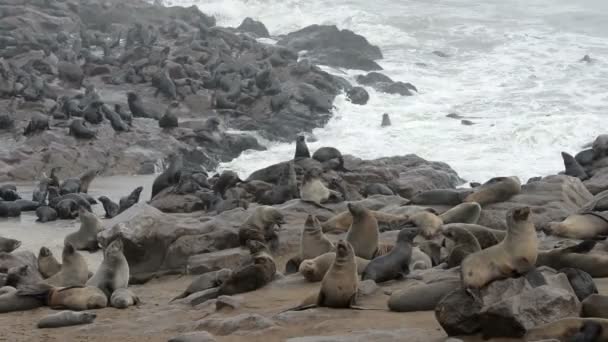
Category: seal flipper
<point>589,332</point>
<point>581,248</point>
<point>292,265</point>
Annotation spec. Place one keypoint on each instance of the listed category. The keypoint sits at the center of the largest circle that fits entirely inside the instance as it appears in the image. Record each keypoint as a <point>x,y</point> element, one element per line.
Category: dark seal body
<point>393,265</point>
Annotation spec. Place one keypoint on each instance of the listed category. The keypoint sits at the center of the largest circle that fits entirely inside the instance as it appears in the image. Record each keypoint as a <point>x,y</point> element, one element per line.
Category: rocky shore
<point>321,247</point>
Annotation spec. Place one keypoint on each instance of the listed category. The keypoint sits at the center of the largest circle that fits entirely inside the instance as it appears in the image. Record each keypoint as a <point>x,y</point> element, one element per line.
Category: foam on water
<point>513,70</point>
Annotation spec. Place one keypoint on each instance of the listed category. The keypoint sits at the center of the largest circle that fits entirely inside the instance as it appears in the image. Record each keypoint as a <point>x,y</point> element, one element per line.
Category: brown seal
<point>579,226</point>
<point>341,222</point>
<point>72,298</point>
<point>315,269</point>
<point>428,223</point>
<point>113,273</point>
<point>313,242</point>
<point>47,264</point>
<point>498,189</point>
<point>462,213</point>
<point>485,236</point>
<point>74,270</point>
<point>260,226</point>
<point>576,256</point>
<point>312,189</point>
<point>363,233</point>
<point>86,237</point>
<point>516,254</point>
<point>465,243</point>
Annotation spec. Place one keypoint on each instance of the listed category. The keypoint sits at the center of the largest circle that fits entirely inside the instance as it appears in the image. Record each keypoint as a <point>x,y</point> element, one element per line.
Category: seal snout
<point>521,214</point>
<point>342,248</point>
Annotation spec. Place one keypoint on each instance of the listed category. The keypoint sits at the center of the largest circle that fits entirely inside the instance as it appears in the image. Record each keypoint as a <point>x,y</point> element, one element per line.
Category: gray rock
<point>240,324</point>
<point>228,258</point>
<point>252,26</point>
<point>358,95</point>
<point>228,302</point>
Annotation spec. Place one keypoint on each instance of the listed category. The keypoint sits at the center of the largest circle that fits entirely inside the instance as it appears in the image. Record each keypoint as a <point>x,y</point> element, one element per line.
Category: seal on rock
<point>113,273</point>
<point>441,197</point>
<point>74,270</point>
<point>260,226</point>
<point>170,176</point>
<point>8,245</point>
<point>47,264</point>
<point>462,213</point>
<point>363,233</point>
<point>498,189</point>
<point>465,243</point>
<point>517,253</point>
<point>386,120</point>
<point>395,264</point>
<point>485,236</point>
<point>128,201</point>
<point>315,269</point>
<point>86,236</point>
<point>312,189</point>
<point>576,256</point>
<point>579,226</point>
<point>301,148</point>
<point>66,319</point>
<point>313,242</point>
<point>573,168</point>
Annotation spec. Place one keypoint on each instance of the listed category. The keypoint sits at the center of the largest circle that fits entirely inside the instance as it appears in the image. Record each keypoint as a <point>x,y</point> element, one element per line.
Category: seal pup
<point>123,298</point>
<point>422,260</point>
<point>498,189</point>
<point>48,266</point>
<point>579,226</point>
<point>465,243</point>
<point>428,223</point>
<point>516,254</point>
<point>577,256</point>
<point>572,329</point>
<point>109,207</point>
<point>66,319</point>
<point>573,168</point>
<point>128,201</point>
<point>170,176</point>
<point>10,301</point>
<point>313,242</point>
<point>74,270</point>
<point>77,298</point>
<point>485,236</point>
<point>113,273</point>
<point>386,120</point>
<point>395,264</point>
<point>312,189</point>
<point>363,232</point>
<point>86,236</point>
<point>462,213</point>
<point>301,148</point>
<point>260,226</point>
<point>8,245</point>
<point>315,269</point>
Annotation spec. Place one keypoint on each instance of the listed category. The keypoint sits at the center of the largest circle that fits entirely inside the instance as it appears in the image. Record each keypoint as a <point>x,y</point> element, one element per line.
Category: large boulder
<point>253,26</point>
<point>509,307</point>
<point>327,45</point>
<point>552,199</point>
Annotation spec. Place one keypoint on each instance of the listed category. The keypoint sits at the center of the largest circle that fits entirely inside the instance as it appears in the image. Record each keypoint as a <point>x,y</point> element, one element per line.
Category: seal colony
<point>344,224</point>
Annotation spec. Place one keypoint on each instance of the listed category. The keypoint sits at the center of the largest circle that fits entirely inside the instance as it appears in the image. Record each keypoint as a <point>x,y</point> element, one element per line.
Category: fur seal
<point>301,148</point>
<point>579,226</point>
<point>123,298</point>
<point>116,121</point>
<point>395,264</point>
<point>74,270</point>
<point>41,191</point>
<point>77,298</point>
<point>498,189</point>
<point>441,197</point>
<point>109,207</point>
<point>10,301</point>
<point>422,297</point>
<point>8,245</point>
<point>517,253</point>
<point>576,256</point>
<point>113,273</point>
<point>205,282</point>
<point>485,236</point>
<point>66,209</point>
<point>48,266</point>
<point>260,226</point>
<point>22,275</point>
<point>80,184</point>
<point>428,223</point>
<point>595,305</point>
<point>465,243</point>
<point>170,176</point>
<point>324,154</point>
<point>582,283</point>
<point>55,199</point>
<point>138,109</point>
<point>79,130</point>
<point>26,205</point>
<point>462,213</point>
<point>313,242</point>
<point>340,283</point>
<point>86,237</point>
<point>66,319</point>
<point>362,235</point>
<point>572,329</point>
<point>312,189</point>
<point>386,120</point>
<point>377,189</point>
<point>573,168</point>
<point>38,123</point>
<point>421,260</point>
<point>315,269</point>
<point>128,201</point>
<point>348,192</point>
<point>169,120</point>
<point>9,209</point>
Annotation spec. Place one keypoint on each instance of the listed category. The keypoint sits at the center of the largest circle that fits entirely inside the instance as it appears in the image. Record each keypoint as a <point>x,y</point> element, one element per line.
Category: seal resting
<point>74,270</point>
<point>422,297</point>
<point>48,266</point>
<point>123,298</point>
<point>362,235</point>
<point>66,319</point>
<point>315,269</point>
<point>516,254</point>
<point>579,226</point>
<point>395,264</point>
<point>77,298</point>
<point>10,301</point>
<point>205,282</point>
<point>462,213</point>
<point>46,214</point>
<point>576,256</point>
<point>441,197</point>
<point>86,237</point>
<point>8,245</point>
<point>498,189</point>
<point>260,226</point>
<point>113,273</point>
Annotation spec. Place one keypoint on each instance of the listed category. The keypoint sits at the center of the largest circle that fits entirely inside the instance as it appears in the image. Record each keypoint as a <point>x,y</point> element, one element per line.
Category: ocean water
<point>513,69</point>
